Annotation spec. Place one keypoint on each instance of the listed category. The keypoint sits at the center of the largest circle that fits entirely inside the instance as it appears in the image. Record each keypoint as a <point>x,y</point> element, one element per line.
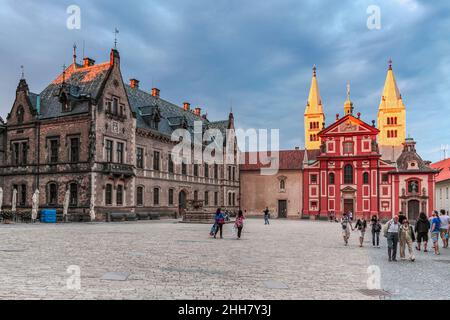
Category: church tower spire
<point>348,104</point>
<point>391,114</point>
<point>314,116</point>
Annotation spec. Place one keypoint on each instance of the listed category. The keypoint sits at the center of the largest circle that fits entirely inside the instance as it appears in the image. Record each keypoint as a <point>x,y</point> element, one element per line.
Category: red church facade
<point>350,175</point>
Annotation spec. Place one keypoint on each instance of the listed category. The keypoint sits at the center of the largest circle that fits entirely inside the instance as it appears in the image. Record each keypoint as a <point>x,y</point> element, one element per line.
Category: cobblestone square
<point>170,260</point>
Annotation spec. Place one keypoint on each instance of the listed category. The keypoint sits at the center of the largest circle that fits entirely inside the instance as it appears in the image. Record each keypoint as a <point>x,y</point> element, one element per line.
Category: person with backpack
<point>435,231</point>
<point>376,229</point>
<point>346,226</point>
<point>266,216</point>
<point>239,223</point>
<point>421,228</point>
<point>407,238</point>
<point>391,231</point>
<point>361,226</point>
<point>219,219</point>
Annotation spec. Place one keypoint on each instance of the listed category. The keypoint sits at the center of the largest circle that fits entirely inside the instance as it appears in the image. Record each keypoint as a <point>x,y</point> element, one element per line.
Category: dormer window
<point>115,105</point>
<point>20,114</point>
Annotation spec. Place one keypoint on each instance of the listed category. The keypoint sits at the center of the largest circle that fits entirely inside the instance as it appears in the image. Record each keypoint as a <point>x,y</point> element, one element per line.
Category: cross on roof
<point>390,63</point>
<point>22,72</point>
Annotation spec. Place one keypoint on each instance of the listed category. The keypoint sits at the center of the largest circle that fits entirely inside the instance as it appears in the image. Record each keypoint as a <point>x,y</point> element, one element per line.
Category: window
<point>234,173</point>
<point>140,158</point>
<point>170,164</point>
<point>216,171</point>
<point>20,114</point>
<point>314,178</point>
<point>348,147</point>
<point>108,194</point>
<point>384,177</point>
<point>206,198</point>
<point>216,198</point>
<point>348,174</point>
<point>73,192</point>
<point>229,173</point>
<point>119,195</point>
<point>156,160</point>
<point>52,193</point>
<point>24,152</point>
<point>365,178</point>
<point>140,196</point>
<point>156,196</point>
<point>119,152</point>
<point>23,195</point>
<point>234,199</point>
<point>282,184</point>
<point>109,151</point>
<point>19,153</point>
<point>74,149</point>
<point>54,146</point>
<point>183,168</point>
<point>115,105</point>
<point>170,197</point>
<point>195,170</point>
<point>195,195</point>
<point>206,170</point>
<point>229,199</point>
<point>108,106</point>
<point>331,178</point>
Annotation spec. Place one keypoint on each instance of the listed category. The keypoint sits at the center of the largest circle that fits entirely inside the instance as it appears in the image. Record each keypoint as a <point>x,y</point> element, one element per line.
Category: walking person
<point>361,226</point>
<point>350,215</point>
<point>391,231</point>
<point>376,229</point>
<point>407,238</point>
<point>421,228</point>
<point>266,216</point>
<point>346,226</point>
<point>435,231</point>
<point>219,218</point>
<point>239,223</point>
<point>444,229</point>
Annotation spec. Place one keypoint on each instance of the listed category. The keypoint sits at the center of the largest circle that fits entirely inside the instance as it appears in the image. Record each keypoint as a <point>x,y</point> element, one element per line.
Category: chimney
<point>186,106</point>
<point>155,92</point>
<point>297,148</point>
<point>88,62</point>
<point>134,83</point>
<point>198,111</point>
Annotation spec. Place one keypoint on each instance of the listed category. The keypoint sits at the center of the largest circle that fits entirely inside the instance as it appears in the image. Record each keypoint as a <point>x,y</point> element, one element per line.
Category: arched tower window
<point>331,178</point>
<point>20,114</point>
<point>366,178</point>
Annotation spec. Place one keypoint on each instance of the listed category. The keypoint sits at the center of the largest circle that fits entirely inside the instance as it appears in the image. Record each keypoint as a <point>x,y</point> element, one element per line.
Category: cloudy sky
<point>255,55</point>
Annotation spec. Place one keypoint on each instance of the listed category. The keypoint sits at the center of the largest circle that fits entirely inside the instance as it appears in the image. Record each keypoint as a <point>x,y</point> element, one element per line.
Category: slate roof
<point>87,82</point>
<point>81,82</point>
<point>288,160</point>
<point>172,116</point>
<point>444,166</point>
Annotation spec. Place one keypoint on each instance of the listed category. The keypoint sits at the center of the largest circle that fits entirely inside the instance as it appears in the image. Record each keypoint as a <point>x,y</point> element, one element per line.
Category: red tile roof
<point>444,165</point>
<point>288,159</point>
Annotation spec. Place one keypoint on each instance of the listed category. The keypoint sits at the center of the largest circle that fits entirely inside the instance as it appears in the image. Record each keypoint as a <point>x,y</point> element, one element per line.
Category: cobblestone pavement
<point>170,260</point>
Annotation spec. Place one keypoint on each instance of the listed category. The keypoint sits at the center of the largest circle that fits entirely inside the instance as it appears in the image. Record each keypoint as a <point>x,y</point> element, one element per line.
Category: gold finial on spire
<point>22,76</point>
<point>314,70</point>
<point>390,64</point>
<point>348,105</point>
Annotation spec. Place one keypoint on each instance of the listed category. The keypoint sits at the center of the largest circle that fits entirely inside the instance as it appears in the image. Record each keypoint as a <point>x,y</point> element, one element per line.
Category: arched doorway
<point>182,199</point>
<point>413,209</point>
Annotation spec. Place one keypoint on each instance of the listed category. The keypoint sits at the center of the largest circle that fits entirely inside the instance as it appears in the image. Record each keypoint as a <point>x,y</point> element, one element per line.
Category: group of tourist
<point>220,218</point>
<point>399,232</point>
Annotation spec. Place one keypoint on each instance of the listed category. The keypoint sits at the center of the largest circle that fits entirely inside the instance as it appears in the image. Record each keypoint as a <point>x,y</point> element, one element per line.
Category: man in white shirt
<point>391,233</point>
<point>444,230</point>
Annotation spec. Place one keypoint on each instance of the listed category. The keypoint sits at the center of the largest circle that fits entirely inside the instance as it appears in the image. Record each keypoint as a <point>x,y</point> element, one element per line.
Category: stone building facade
<point>442,193</point>
<point>109,143</point>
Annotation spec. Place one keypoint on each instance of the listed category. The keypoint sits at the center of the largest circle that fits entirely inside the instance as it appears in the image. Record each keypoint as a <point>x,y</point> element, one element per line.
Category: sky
<point>253,56</point>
